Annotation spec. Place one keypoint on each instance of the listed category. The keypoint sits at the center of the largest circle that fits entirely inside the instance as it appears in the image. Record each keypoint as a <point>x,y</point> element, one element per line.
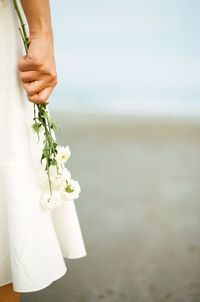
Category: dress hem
<point>37,288</point>
<point>75,257</point>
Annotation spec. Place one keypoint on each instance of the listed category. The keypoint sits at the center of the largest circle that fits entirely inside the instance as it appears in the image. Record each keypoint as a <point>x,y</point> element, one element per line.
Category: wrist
<point>40,34</point>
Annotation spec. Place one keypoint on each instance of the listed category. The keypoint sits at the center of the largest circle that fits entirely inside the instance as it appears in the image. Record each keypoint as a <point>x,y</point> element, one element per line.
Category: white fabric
<point>33,240</point>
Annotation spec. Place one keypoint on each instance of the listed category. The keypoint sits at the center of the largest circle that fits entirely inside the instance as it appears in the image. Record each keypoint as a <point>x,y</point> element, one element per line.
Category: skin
<point>37,72</point>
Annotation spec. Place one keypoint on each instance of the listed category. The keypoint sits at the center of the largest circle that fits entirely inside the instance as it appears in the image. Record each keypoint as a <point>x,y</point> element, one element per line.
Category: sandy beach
<point>139,209</point>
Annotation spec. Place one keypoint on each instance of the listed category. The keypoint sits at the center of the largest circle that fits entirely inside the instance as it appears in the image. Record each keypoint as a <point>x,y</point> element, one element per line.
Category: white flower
<point>63,153</point>
<point>57,178</point>
<point>65,175</point>
<point>70,190</point>
<point>51,201</point>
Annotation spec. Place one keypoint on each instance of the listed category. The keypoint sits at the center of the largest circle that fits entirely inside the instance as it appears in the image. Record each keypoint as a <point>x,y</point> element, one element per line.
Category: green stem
<point>42,115</point>
<point>25,36</point>
<point>47,164</point>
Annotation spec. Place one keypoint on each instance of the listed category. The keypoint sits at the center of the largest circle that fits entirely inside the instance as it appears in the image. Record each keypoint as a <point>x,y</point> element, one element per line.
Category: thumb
<point>24,63</point>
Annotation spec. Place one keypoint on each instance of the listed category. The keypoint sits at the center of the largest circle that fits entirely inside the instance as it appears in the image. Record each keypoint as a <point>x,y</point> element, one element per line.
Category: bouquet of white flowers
<point>56,183</point>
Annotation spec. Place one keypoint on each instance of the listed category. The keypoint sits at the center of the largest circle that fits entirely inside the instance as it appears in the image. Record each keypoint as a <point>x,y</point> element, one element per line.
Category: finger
<point>27,63</point>
<point>34,87</point>
<point>41,97</point>
<point>45,93</point>
<point>35,99</point>
<point>29,76</point>
<point>23,64</point>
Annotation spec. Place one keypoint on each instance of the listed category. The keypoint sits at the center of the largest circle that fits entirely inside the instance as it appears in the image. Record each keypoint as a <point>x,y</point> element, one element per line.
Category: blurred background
<point>127,56</point>
<point>128,104</point>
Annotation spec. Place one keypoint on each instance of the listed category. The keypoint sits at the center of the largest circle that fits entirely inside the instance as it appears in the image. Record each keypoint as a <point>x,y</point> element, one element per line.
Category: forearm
<point>37,13</point>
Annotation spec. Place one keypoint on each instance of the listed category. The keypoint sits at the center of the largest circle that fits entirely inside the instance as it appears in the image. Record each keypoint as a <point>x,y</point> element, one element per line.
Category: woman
<point>33,241</point>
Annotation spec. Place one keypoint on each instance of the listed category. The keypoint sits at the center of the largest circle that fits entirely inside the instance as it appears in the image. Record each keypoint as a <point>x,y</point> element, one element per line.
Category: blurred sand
<point>139,210</point>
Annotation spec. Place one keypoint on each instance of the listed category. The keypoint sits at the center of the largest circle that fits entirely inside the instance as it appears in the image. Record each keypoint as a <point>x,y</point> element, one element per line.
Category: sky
<point>127,56</point>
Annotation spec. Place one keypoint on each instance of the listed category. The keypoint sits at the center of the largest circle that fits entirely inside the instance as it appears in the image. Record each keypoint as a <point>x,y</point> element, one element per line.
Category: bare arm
<point>38,15</point>
<point>37,70</point>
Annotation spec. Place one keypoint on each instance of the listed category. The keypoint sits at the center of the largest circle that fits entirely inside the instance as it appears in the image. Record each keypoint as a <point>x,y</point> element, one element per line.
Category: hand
<point>37,70</point>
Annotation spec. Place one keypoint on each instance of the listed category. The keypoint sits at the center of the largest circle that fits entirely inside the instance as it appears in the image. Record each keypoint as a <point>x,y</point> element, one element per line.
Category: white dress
<point>33,240</point>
